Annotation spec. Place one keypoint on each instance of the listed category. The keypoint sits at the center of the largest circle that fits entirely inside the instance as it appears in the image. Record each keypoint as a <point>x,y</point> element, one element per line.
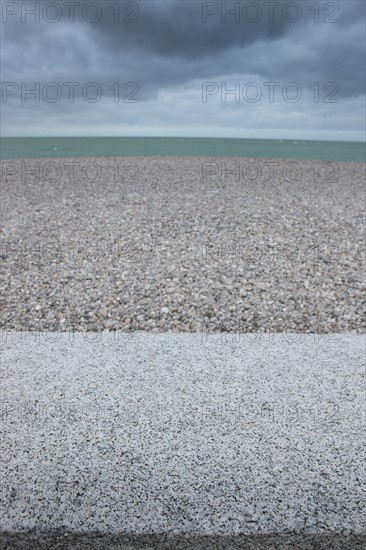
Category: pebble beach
<point>182,244</point>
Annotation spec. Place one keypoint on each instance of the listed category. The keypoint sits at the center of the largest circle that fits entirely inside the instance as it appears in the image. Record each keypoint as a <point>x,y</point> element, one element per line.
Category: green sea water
<point>11,148</point>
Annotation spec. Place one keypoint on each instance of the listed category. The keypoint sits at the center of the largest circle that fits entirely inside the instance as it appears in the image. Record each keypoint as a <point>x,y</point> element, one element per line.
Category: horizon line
<point>183,137</point>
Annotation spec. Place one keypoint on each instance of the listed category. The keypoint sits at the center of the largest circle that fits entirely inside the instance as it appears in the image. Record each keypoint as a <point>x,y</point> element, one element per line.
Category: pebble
<point>203,255</point>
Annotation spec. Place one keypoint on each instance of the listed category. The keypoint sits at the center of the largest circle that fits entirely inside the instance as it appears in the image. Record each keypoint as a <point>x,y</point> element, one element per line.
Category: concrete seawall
<point>178,441</point>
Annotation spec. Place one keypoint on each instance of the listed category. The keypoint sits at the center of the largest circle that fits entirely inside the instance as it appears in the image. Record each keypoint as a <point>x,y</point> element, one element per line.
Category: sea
<point>58,147</point>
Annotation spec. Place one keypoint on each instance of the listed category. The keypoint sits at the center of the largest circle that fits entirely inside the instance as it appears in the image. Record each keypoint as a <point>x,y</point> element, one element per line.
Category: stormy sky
<point>261,69</point>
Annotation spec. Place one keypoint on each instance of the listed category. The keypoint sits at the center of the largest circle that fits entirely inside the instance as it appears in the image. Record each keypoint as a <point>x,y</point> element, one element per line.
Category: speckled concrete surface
<point>136,440</point>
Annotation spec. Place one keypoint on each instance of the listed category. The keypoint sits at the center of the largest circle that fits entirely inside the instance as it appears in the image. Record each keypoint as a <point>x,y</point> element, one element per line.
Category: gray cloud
<point>170,51</point>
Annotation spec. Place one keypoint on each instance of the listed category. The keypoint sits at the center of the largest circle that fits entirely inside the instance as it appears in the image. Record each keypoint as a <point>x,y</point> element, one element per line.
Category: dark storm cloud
<point>179,44</point>
<point>171,44</point>
<point>176,31</point>
<point>192,29</point>
<point>189,30</point>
